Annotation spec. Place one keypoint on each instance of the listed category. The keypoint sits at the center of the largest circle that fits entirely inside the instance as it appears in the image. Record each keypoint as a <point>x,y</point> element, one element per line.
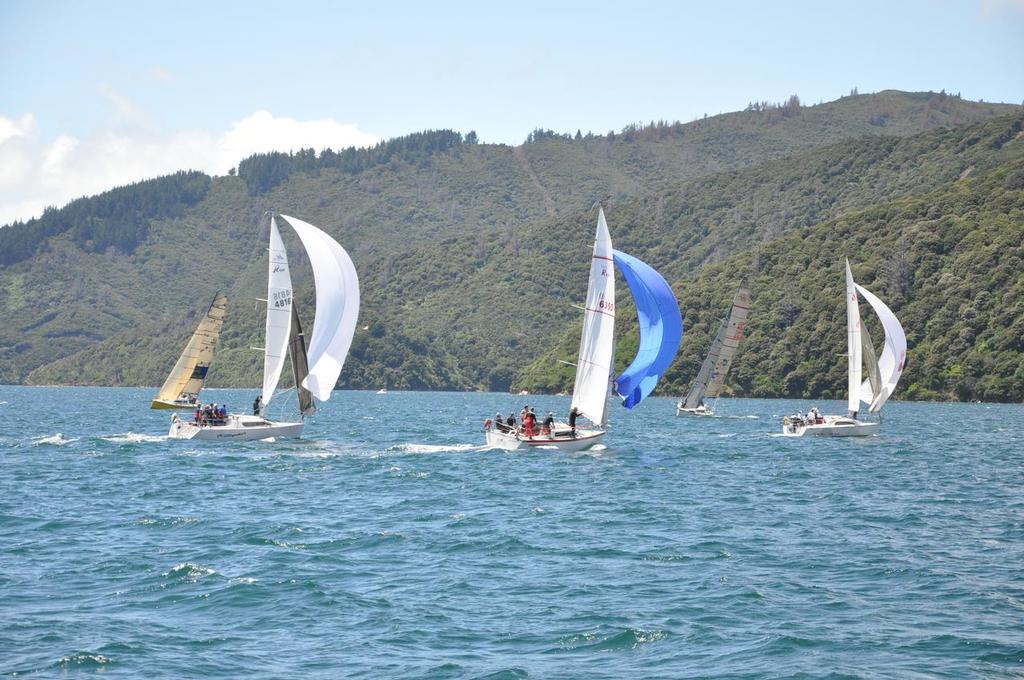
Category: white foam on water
<point>134,438</point>
<point>435,448</point>
<point>53,440</point>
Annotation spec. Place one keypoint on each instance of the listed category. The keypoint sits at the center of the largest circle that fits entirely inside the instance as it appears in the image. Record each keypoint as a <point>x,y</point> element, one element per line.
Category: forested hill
<point>469,253</point>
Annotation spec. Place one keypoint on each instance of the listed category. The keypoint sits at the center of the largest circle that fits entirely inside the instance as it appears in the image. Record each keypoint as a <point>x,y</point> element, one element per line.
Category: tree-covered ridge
<point>118,218</point>
<point>470,257</point>
<point>262,172</point>
<point>527,284</point>
<point>949,263</point>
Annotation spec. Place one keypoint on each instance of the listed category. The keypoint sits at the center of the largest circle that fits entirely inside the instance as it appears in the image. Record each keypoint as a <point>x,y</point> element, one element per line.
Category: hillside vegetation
<point>470,254</point>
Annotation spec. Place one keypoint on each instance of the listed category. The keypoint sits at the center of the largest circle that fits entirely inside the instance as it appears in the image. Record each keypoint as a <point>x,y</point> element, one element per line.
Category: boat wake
<point>133,438</point>
<point>53,440</point>
<point>435,448</point>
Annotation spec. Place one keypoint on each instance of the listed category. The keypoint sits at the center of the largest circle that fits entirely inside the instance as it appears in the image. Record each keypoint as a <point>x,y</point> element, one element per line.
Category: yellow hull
<point>167,405</point>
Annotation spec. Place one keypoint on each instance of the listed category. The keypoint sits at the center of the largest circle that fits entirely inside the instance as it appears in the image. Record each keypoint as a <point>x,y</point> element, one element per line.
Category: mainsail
<point>337,307</point>
<point>661,329</point>
<point>853,344</point>
<point>279,314</point>
<point>594,364</point>
<point>715,369</point>
<point>189,372</point>
<point>700,383</point>
<point>894,354</point>
<point>300,364</point>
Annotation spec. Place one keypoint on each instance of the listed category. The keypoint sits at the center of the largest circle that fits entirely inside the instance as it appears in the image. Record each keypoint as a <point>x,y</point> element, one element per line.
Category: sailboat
<point>713,372</point>
<point>883,372</point>
<point>661,332</point>
<point>181,389</point>
<point>315,371</point>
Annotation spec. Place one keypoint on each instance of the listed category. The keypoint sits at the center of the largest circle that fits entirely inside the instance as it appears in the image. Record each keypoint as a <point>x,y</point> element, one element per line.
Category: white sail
<point>279,314</point>
<point>853,343</point>
<point>894,354</point>
<point>594,365</point>
<point>337,307</point>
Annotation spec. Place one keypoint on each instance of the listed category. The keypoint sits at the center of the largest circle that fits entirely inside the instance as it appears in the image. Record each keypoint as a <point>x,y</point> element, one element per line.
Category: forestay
<point>594,364</point>
<point>337,307</point>
<point>894,354</point>
<point>189,372</point>
<point>661,329</point>
<point>279,314</point>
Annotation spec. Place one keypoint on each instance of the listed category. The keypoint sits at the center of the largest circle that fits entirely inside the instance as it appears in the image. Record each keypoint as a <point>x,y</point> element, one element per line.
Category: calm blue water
<point>388,543</point>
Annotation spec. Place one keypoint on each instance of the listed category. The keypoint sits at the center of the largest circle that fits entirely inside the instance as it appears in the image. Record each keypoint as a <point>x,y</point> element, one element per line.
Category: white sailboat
<point>183,384</point>
<point>661,331</point>
<point>713,372</point>
<point>883,373</point>
<point>316,372</point>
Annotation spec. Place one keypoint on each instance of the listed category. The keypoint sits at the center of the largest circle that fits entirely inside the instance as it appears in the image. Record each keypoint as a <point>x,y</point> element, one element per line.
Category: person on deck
<point>223,414</point>
<point>549,425</point>
<point>574,413</point>
<point>529,422</point>
<point>511,423</point>
<point>499,422</point>
<point>257,404</point>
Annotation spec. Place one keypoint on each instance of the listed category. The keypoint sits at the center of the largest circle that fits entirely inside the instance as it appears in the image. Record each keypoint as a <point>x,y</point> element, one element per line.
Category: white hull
<point>584,439</point>
<point>698,411</point>
<point>237,428</point>
<point>834,426</point>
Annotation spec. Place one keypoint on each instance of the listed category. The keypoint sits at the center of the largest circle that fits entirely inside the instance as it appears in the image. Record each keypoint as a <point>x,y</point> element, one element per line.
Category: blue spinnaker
<point>661,329</point>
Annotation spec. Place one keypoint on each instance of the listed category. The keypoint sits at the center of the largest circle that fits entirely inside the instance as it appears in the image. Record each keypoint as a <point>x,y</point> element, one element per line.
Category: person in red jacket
<point>529,423</point>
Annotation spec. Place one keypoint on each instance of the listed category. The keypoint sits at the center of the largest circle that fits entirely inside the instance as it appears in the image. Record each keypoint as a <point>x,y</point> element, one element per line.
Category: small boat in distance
<point>337,308</point>
<point>661,332</point>
<point>883,373</point>
<point>713,372</point>
<point>185,381</point>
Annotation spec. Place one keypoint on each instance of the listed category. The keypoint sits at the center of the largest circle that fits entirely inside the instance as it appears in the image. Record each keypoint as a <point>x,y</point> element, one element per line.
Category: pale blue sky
<point>80,78</point>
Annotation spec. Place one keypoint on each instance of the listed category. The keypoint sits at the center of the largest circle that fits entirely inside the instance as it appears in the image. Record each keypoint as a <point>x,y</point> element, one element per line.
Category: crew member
<point>573,414</point>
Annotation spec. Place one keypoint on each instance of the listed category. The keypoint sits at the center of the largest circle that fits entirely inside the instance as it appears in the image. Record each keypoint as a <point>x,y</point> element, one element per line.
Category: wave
<point>53,440</point>
<point>630,638</point>
<point>189,571</point>
<point>87,659</point>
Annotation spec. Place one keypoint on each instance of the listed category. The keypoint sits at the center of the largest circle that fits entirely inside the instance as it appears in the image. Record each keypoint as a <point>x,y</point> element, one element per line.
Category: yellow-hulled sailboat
<point>181,389</point>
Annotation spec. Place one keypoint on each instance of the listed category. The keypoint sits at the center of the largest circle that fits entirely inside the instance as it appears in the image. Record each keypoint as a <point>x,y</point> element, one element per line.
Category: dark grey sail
<point>300,365</point>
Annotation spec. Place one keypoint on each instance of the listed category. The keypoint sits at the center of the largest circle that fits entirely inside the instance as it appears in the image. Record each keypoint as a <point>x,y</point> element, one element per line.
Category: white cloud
<point>35,173</point>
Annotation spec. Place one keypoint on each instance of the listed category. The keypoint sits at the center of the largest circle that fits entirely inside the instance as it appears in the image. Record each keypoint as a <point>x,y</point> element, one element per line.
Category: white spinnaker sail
<point>279,314</point>
<point>853,343</point>
<point>337,307</point>
<point>189,371</point>
<point>894,354</point>
<point>594,364</point>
